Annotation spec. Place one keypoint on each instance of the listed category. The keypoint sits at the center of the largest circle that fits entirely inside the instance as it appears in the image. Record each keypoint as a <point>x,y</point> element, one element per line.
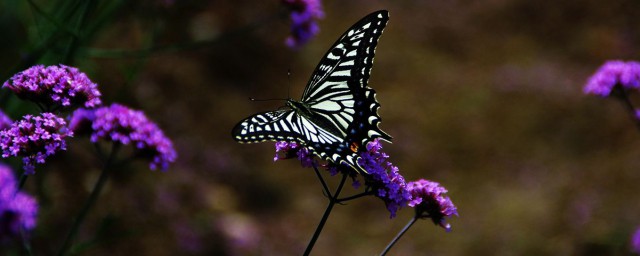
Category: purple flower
<point>286,150</point>
<point>384,178</point>
<point>34,138</point>
<point>637,114</point>
<point>611,74</point>
<point>635,242</point>
<point>304,14</point>
<point>120,124</point>
<point>17,210</point>
<point>429,200</point>
<point>80,121</point>
<point>55,86</point>
<point>5,121</point>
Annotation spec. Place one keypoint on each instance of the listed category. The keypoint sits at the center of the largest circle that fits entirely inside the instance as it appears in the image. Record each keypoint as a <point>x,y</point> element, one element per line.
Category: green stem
<point>332,201</point>
<point>51,19</point>
<point>90,202</point>
<point>73,45</point>
<point>399,235</point>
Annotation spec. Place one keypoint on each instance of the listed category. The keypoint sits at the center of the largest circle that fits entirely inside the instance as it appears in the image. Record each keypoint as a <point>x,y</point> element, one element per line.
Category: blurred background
<point>484,97</point>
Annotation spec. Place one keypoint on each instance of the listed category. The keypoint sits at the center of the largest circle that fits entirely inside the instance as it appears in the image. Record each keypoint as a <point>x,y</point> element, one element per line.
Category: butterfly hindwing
<point>338,113</point>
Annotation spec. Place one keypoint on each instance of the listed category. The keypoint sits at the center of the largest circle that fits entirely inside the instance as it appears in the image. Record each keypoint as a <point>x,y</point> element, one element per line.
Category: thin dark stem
<point>46,43</point>
<point>325,216</point>
<point>26,244</point>
<point>399,235</point>
<point>51,19</point>
<point>55,109</point>
<point>90,202</point>
<point>366,193</point>
<point>41,107</point>
<point>99,151</point>
<point>628,105</point>
<point>324,184</point>
<point>73,44</point>
<point>23,180</point>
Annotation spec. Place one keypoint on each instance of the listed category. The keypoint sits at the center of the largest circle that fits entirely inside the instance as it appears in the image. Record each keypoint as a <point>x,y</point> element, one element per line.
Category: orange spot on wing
<point>354,147</point>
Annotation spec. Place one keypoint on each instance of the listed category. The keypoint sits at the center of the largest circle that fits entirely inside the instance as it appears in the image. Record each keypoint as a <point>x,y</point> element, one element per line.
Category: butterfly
<point>338,113</point>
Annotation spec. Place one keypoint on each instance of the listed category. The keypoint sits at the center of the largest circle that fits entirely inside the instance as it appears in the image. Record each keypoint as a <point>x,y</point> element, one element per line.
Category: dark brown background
<point>484,97</point>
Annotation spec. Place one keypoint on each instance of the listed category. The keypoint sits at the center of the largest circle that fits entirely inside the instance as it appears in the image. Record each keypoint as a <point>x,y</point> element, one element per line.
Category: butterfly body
<point>338,113</point>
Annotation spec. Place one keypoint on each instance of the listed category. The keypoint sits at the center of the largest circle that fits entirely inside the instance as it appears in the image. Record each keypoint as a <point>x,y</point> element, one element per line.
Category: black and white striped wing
<point>343,116</point>
<point>282,125</point>
<point>350,57</point>
<point>338,93</point>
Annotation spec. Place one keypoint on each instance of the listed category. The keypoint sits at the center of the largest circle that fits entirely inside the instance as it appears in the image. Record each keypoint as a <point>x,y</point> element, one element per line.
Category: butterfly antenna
<point>254,99</point>
<point>288,89</point>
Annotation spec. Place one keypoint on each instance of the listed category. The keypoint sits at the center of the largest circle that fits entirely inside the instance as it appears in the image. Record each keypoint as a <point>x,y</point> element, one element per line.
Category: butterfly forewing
<point>342,117</point>
<point>281,125</point>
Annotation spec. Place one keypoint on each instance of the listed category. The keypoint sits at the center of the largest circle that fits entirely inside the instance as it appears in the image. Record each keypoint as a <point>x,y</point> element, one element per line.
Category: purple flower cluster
<point>17,210</point>
<point>5,121</point>
<point>286,150</point>
<point>55,86</point>
<point>614,73</point>
<point>384,177</point>
<point>429,200</point>
<point>34,138</point>
<point>635,242</point>
<point>304,14</point>
<point>120,124</point>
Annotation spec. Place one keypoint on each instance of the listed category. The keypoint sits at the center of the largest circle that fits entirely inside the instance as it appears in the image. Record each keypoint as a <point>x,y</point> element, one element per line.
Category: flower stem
<point>90,202</point>
<point>324,184</point>
<point>26,244</point>
<point>366,193</point>
<point>23,180</point>
<point>628,105</point>
<point>332,201</point>
<point>74,43</point>
<point>399,235</point>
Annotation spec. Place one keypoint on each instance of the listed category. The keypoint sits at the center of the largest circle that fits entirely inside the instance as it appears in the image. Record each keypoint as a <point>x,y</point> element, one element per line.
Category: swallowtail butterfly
<point>338,113</point>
